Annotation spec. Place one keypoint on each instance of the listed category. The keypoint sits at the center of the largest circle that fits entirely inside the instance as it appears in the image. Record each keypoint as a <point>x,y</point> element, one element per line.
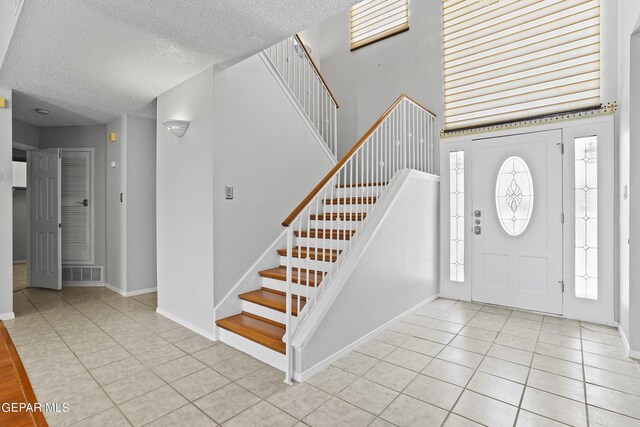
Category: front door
<point>517,221</point>
<point>43,189</point>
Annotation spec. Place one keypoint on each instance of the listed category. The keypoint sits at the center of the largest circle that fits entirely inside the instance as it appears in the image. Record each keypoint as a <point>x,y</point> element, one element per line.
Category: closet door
<point>77,207</point>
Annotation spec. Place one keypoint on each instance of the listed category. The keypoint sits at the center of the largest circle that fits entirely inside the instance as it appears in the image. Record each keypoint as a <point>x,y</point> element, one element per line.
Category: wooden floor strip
<point>15,387</point>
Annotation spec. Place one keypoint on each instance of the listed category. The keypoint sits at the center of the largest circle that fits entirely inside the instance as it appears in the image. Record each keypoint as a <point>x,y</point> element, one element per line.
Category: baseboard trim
<point>141,292</point>
<point>335,356</point>
<point>631,353</point>
<point>7,316</point>
<point>210,335</point>
<point>132,293</point>
<point>20,261</point>
<point>83,284</point>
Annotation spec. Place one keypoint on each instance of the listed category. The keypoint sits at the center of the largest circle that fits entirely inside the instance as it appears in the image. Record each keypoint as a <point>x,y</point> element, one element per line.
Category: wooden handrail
<point>292,216</point>
<point>315,67</point>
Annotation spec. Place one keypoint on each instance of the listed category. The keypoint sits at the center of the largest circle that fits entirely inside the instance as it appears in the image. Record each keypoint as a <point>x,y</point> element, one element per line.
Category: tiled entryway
<point>117,362</point>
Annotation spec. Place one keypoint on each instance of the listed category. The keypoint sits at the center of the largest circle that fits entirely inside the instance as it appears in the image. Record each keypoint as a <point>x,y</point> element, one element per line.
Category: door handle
<point>477,230</point>
<point>84,203</point>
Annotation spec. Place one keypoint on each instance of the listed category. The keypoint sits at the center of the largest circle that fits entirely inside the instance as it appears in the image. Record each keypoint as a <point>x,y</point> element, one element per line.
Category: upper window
<point>373,20</point>
<point>513,59</point>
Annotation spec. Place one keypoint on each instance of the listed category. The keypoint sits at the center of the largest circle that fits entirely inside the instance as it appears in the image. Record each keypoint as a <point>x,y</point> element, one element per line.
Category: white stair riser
<point>262,311</point>
<point>355,208</point>
<point>357,192</point>
<point>308,242</point>
<point>334,225</point>
<point>310,265</point>
<point>260,352</point>
<point>281,285</point>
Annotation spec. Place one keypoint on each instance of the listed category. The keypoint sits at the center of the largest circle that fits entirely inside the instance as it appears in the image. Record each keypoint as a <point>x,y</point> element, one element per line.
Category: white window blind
<point>511,59</point>
<point>373,20</point>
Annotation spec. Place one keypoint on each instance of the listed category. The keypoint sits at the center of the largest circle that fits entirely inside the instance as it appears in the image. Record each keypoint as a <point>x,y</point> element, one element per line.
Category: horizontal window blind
<point>511,59</point>
<point>373,20</point>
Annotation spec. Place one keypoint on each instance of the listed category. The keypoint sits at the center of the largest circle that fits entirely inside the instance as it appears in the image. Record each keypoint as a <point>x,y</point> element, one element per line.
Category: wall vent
<point>79,273</point>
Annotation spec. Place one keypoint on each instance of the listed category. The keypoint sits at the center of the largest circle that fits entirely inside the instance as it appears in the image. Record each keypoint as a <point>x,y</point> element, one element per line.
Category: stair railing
<point>293,62</point>
<point>403,137</point>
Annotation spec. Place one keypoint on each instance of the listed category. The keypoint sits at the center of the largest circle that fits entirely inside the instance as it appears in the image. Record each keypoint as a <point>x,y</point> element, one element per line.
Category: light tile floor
<point>453,363</point>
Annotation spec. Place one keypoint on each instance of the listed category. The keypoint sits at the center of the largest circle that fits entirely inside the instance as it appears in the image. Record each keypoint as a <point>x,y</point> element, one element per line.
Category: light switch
<point>228,192</point>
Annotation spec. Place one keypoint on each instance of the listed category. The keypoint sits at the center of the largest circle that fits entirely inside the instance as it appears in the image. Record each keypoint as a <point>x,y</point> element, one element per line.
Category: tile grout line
<point>134,357</point>
<point>77,358</point>
<point>584,377</point>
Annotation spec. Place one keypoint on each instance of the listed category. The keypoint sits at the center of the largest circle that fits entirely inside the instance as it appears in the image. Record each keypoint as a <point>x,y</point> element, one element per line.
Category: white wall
<point>184,216</point>
<point>116,225</point>
<point>6,208</point>
<point>263,148</point>
<point>368,80</point>
<point>86,137</point>
<point>409,276</point>
<point>26,133</point>
<point>629,154</point>
<point>140,199</point>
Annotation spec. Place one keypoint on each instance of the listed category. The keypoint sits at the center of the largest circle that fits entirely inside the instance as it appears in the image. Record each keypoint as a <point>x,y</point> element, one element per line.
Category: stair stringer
<point>298,107</point>
<point>250,281</point>
<point>403,227</point>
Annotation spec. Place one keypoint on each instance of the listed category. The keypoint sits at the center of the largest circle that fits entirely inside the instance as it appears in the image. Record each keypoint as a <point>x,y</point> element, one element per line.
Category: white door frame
<point>606,202</point>
<point>92,193</point>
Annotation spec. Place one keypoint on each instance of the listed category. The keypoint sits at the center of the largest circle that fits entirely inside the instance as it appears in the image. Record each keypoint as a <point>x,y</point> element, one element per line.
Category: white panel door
<point>517,219</point>
<point>45,252</point>
<point>76,207</point>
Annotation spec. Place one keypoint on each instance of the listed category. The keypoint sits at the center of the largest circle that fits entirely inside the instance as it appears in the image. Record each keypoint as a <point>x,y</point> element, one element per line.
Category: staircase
<point>263,316</point>
<point>323,230</point>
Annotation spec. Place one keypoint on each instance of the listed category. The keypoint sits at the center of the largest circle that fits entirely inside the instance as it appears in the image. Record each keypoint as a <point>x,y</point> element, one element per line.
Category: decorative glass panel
<point>514,195</point>
<point>456,216</point>
<point>586,189</point>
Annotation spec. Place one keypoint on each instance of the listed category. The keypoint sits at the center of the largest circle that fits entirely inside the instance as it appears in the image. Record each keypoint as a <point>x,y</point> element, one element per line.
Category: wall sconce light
<point>177,127</point>
<point>3,102</point>
<point>112,137</point>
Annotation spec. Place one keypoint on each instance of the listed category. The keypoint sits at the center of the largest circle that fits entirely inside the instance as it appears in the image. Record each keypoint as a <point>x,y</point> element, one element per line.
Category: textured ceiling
<point>89,61</point>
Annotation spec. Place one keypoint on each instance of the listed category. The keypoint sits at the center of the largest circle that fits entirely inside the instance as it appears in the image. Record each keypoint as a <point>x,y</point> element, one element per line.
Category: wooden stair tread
<point>274,300</point>
<point>280,273</point>
<point>325,234</point>
<point>317,254</point>
<point>341,216</point>
<point>256,329</point>
<point>351,200</point>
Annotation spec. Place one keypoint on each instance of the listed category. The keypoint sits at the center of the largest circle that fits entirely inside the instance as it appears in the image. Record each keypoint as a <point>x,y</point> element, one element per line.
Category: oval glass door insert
<point>514,195</point>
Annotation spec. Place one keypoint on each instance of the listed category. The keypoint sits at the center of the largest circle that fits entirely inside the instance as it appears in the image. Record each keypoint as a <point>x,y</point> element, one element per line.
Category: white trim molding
<point>132,293</point>
<point>7,316</point>
<point>631,353</point>
<point>300,377</point>
<point>83,285</point>
<point>210,335</point>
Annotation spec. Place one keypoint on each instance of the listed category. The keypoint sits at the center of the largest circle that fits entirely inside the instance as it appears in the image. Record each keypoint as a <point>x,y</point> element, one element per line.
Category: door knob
<point>85,202</point>
<point>477,229</point>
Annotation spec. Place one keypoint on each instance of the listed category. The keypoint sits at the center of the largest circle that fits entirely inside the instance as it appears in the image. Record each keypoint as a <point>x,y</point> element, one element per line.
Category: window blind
<point>373,20</point>
<point>511,59</point>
